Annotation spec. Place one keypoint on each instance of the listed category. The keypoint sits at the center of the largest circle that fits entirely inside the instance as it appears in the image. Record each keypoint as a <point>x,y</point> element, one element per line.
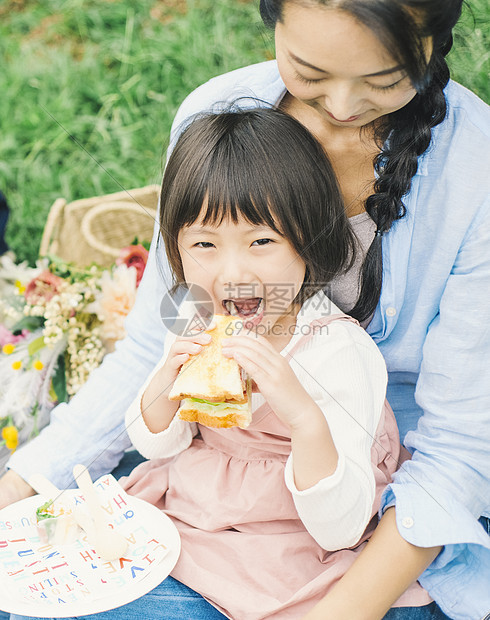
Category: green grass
<point>89,89</point>
<point>469,59</point>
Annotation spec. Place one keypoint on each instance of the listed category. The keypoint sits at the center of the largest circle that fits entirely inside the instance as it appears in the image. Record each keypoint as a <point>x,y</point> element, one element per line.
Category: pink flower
<point>116,298</point>
<point>41,289</point>
<point>7,337</point>
<point>134,256</point>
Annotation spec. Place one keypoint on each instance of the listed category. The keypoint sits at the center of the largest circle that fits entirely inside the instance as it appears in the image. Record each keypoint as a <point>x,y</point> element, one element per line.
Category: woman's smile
<point>347,120</point>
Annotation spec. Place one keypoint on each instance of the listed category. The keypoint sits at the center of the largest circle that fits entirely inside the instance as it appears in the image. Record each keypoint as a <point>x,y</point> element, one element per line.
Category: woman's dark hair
<point>263,165</point>
<point>401,26</point>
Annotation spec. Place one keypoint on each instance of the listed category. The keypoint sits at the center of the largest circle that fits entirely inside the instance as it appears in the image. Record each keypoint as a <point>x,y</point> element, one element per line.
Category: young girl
<point>269,516</point>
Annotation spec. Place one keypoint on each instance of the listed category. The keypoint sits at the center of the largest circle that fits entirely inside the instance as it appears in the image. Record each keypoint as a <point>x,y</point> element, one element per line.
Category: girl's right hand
<point>157,410</point>
<point>179,353</point>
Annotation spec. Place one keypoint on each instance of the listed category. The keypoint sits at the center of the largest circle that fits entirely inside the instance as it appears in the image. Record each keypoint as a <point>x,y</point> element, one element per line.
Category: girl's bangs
<point>219,208</point>
<point>229,190</point>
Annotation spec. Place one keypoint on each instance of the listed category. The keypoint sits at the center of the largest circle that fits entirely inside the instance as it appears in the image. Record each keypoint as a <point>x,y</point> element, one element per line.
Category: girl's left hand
<point>274,377</point>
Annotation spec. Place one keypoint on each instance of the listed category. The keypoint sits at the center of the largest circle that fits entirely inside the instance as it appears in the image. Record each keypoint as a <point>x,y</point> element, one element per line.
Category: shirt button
<point>390,311</point>
<point>407,522</point>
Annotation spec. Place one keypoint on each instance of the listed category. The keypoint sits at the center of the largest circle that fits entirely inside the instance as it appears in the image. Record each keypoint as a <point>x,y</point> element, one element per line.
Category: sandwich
<point>213,389</point>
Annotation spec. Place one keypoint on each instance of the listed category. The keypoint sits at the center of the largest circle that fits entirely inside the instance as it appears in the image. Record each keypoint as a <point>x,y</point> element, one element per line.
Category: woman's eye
<point>301,78</point>
<point>203,244</point>
<point>262,242</point>
<point>386,88</point>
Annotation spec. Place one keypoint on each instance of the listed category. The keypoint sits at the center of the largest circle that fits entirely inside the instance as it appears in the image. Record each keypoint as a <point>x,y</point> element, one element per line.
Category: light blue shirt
<point>431,325</point>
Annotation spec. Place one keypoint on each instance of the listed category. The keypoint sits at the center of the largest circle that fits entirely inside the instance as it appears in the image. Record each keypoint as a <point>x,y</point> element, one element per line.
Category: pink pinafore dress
<point>244,547</point>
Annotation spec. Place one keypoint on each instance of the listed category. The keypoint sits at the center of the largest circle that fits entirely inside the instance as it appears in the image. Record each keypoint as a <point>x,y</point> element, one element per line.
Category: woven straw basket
<point>95,229</point>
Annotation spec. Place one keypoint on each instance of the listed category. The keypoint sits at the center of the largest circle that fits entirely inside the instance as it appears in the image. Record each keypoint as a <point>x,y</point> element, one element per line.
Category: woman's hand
<point>274,377</point>
<point>314,454</point>
<point>13,488</point>
<point>157,410</point>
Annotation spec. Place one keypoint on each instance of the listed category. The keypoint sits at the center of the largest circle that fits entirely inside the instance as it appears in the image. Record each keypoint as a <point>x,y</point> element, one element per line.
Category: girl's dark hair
<point>401,26</point>
<point>266,167</point>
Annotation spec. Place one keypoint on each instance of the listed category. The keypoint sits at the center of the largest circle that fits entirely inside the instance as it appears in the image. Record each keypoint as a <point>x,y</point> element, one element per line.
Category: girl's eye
<point>301,78</point>
<point>386,88</point>
<point>203,244</point>
<point>262,242</point>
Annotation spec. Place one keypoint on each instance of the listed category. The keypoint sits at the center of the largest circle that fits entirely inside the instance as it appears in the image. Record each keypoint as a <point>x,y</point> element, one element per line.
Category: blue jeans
<point>427,612</point>
<point>182,603</point>
<point>128,462</point>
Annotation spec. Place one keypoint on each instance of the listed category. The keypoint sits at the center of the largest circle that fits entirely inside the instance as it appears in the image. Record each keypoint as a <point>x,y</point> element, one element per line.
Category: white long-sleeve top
<point>343,371</point>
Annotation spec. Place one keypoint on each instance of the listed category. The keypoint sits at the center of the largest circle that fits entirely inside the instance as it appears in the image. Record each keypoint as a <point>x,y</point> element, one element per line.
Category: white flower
<point>11,272</point>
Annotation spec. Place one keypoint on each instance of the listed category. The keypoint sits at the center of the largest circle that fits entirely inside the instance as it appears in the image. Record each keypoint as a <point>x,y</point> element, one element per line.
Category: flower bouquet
<point>57,321</point>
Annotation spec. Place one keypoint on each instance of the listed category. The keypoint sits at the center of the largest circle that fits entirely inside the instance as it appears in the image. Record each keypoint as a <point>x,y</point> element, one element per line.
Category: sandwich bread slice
<point>213,389</point>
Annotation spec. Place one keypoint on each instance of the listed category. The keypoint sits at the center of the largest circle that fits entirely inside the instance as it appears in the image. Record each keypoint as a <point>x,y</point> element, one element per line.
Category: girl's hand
<point>274,377</point>
<point>179,353</point>
<point>157,410</point>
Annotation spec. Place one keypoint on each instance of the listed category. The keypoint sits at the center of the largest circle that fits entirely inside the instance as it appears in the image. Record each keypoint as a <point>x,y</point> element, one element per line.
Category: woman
<point>330,91</point>
<point>368,78</point>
